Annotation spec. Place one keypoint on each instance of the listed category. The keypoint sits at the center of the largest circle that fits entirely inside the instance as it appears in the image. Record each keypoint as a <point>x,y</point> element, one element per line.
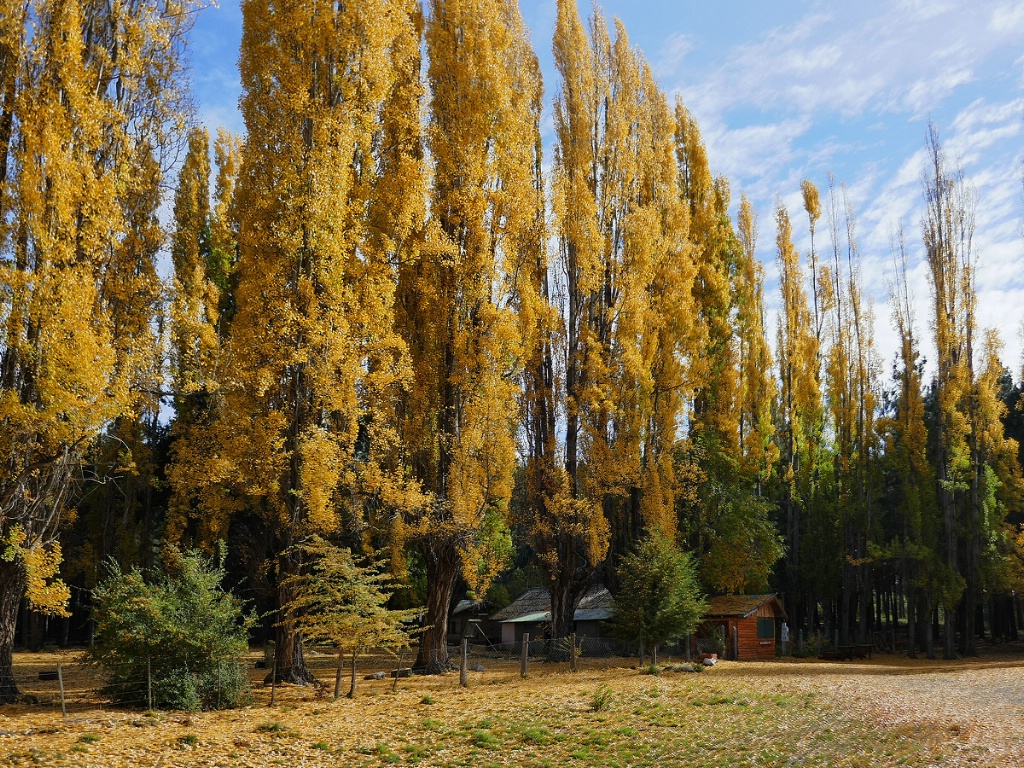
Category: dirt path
<point>977,706</point>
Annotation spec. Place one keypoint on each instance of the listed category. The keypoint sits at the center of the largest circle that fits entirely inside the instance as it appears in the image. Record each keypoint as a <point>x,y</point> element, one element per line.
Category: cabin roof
<point>741,606</point>
<point>534,606</point>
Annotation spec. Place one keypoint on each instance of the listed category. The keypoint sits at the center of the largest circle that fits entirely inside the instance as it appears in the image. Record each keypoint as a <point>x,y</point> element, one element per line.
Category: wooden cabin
<point>532,613</point>
<point>750,624</point>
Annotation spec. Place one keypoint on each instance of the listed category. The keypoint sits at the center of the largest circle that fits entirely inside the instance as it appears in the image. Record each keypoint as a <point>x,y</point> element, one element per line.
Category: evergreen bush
<point>174,632</point>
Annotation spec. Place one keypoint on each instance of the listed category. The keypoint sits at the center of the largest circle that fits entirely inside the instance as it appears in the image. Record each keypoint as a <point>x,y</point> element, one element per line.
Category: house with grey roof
<point>531,613</point>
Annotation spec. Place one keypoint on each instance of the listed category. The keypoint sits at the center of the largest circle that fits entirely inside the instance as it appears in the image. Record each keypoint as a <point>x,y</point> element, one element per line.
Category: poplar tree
<point>204,255</point>
<point>91,102</point>
<point>758,388</point>
<point>314,358</point>
<point>628,271</point>
<point>948,230</point>
<point>460,299</point>
<point>851,384</point>
<point>916,541</point>
<point>727,454</point>
<point>800,417</point>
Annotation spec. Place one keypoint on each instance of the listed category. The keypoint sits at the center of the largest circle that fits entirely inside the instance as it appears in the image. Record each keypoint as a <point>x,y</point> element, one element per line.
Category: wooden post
<point>464,666</point>
<point>273,681</point>
<point>401,660</point>
<point>572,652</point>
<point>524,662</point>
<point>149,682</point>
<point>60,679</point>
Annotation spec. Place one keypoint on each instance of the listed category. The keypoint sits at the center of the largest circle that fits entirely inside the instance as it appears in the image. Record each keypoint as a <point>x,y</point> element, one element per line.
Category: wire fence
<point>68,683</point>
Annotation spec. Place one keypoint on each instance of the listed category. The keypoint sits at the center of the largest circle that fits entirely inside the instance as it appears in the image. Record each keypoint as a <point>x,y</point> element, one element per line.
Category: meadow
<point>888,711</point>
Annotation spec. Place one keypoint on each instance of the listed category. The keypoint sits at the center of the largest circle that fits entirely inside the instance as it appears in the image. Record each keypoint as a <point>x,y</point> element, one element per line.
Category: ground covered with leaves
<point>880,712</point>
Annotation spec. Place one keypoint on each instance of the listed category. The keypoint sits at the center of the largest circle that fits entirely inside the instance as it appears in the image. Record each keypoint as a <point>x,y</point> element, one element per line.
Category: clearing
<point>887,711</point>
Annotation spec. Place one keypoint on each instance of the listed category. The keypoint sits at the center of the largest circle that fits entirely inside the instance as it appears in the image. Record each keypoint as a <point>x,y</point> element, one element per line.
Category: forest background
<point>413,313</point>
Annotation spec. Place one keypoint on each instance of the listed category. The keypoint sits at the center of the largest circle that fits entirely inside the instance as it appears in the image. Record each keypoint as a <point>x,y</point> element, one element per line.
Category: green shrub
<point>177,625</point>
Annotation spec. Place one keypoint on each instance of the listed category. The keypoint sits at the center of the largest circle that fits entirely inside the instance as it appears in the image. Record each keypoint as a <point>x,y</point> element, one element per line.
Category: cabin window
<point>765,628</point>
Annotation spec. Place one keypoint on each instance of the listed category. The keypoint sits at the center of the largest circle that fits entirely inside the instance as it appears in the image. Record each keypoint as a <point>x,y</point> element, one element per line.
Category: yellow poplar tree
<point>757,384</point>
<point>91,99</point>
<point>728,522</point>
<point>800,407</point>
<point>851,384</point>
<point>460,299</point>
<point>312,361</point>
<point>628,270</point>
<point>948,230</point>
<point>906,438</point>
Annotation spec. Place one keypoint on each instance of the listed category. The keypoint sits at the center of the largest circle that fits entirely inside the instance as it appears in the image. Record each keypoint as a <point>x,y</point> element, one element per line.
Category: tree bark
<point>442,561</point>
<point>337,675</point>
<point>566,591</point>
<point>289,657</point>
<point>12,587</point>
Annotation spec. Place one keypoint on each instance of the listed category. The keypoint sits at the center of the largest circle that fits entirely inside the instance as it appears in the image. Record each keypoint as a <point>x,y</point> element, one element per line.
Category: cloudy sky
<point>785,91</point>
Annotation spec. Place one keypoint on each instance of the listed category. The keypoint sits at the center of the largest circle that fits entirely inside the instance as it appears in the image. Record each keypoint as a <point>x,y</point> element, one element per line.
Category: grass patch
<point>601,698</point>
<point>484,739</point>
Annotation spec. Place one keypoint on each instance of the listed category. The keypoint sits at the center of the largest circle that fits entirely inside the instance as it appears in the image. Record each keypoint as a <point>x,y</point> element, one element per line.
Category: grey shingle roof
<point>535,606</point>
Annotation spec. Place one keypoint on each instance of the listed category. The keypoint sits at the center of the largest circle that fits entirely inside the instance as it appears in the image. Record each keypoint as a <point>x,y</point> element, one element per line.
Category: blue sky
<point>790,90</point>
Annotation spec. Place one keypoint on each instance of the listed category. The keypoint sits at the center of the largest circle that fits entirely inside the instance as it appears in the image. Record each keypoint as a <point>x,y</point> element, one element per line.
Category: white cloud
<point>1007,18</point>
<point>675,49</point>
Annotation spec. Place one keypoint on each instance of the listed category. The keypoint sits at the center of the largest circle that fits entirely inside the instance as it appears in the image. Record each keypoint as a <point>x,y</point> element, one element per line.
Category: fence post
<point>149,682</point>
<point>273,681</point>
<point>572,652</point>
<point>60,679</point>
<point>464,666</point>
<point>524,661</point>
<point>401,660</point>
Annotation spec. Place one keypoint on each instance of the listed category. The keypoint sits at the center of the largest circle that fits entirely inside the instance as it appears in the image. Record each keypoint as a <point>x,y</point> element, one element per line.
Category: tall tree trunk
<point>566,591</point>
<point>442,560</point>
<point>12,587</point>
<point>290,660</point>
